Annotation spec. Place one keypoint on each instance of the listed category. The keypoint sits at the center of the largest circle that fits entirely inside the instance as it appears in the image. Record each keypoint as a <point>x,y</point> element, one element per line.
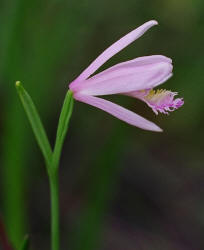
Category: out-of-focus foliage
<point>120,187</point>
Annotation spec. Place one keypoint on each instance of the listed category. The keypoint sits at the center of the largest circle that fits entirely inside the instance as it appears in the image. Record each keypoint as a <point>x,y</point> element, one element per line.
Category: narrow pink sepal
<point>119,112</point>
<point>140,73</point>
<point>114,49</point>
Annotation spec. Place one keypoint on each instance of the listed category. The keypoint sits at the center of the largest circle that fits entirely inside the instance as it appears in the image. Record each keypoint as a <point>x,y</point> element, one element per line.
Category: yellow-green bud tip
<point>18,83</point>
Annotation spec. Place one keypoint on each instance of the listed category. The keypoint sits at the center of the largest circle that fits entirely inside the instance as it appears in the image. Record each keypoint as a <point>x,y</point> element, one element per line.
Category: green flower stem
<point>54,194</point>
<point>64,118</point>
<point>52,158</point>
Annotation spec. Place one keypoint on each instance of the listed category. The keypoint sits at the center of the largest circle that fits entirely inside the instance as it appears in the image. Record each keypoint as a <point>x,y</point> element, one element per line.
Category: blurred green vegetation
<point>147,188</point>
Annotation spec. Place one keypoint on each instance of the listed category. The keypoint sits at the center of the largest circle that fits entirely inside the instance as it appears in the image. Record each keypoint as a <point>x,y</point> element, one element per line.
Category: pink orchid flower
<point>135,78</point>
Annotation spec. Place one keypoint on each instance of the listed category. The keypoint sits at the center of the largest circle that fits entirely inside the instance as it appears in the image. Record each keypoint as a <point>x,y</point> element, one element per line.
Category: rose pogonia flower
<point>135,78</point>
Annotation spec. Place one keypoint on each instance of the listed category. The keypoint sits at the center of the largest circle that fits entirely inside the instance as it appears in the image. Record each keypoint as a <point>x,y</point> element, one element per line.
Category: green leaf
<point>26,243</point>
<point>63,124</point>
<point>36,123</point>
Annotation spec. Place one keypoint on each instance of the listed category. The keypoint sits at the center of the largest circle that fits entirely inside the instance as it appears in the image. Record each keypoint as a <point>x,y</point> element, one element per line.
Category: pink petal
<point>140,95</point>
<point>140,73</point>
<point>114,49</point>
<point>119,112</point>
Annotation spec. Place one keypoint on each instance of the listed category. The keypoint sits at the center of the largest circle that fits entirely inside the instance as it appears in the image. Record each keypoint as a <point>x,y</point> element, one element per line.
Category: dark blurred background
<point>120,187</point>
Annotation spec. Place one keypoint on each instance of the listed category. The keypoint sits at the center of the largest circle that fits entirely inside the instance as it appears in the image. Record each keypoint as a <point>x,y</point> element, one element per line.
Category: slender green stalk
<point>64,118</point>
<point>51,158</point>
<point>54,194</point>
